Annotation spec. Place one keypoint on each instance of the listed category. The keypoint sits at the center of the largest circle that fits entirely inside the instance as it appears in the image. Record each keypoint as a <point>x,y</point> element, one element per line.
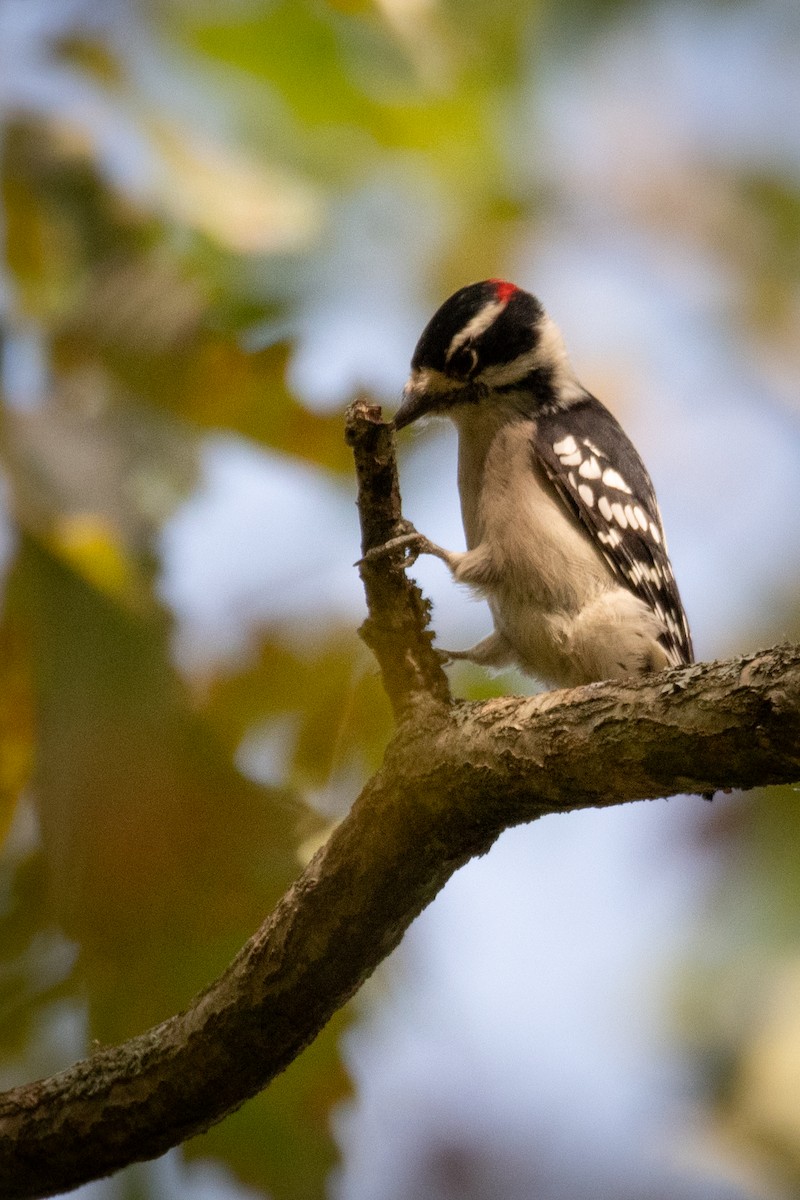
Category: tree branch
<point>396,628</point>
<point>455,775</point>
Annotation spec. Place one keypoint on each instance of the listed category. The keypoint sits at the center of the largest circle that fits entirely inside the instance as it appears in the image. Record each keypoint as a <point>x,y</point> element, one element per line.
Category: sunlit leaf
<point>89,544</point>
<point>251,208</point>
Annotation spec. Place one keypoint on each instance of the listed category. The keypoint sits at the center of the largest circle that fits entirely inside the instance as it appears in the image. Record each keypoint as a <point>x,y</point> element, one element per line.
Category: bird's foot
<point>411,542</point>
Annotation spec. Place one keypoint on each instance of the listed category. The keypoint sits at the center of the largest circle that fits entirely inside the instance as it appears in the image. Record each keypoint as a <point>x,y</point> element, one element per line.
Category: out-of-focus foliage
<point>179,187</point>
<point>16,721</point>
<point>167,179</point>
<point>741,1006</point>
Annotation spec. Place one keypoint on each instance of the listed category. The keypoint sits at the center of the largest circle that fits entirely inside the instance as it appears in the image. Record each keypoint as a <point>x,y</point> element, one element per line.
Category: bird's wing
<point>614,500</point>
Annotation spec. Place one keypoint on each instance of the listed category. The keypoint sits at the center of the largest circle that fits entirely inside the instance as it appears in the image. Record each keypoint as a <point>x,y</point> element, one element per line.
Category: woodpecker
<point>563,532</point>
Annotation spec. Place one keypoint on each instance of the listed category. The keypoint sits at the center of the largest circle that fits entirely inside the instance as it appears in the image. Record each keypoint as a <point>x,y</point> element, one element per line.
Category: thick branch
<point>454,777</point>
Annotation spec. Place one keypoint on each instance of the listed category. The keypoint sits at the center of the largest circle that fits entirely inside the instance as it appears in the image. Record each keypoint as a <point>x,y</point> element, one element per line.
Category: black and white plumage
<point>564,535</point>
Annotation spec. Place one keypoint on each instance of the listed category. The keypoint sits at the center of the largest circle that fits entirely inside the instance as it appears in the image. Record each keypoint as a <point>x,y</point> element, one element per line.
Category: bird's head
<point>489,339</point>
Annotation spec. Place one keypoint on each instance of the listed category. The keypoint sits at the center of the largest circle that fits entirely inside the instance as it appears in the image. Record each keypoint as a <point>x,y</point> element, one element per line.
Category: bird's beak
<point>417,401</point>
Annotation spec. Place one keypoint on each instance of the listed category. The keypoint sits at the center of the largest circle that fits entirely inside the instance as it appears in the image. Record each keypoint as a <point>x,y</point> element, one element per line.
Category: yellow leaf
<point>87,541</point>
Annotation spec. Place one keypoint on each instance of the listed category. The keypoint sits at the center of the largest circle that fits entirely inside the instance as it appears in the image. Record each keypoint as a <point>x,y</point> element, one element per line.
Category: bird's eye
<point>463,361</point>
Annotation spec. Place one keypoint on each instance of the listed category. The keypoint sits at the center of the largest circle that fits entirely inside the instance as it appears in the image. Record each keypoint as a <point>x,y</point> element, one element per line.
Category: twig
<point>396,627</point>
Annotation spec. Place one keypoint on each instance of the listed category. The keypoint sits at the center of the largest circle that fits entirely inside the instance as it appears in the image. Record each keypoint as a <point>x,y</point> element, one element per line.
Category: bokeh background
<point>219,220</point>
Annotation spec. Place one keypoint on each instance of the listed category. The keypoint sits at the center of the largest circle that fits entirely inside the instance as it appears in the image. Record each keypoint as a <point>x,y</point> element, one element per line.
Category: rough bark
<point>396,626</point>
<point>455,775</point>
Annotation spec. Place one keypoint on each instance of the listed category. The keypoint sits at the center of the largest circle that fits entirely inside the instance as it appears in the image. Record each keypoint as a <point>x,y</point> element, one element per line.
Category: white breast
<point>541,556</point>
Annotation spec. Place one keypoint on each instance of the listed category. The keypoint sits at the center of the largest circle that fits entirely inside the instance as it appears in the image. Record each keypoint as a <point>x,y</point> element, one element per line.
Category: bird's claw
<point>411,542</point>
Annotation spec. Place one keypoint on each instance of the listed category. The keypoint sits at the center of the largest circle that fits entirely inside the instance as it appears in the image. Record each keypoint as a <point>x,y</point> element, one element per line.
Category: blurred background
<point>218,222</point>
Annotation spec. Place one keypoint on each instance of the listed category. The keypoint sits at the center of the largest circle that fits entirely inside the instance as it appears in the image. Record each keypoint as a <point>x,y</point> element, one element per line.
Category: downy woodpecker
<point>564,536</point>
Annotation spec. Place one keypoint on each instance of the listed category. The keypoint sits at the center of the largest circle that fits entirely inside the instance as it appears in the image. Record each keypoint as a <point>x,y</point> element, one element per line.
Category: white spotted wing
<point>596,471</point>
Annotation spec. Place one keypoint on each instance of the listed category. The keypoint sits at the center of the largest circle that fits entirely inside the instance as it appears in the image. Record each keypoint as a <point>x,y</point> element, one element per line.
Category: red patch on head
<point>503,291</point>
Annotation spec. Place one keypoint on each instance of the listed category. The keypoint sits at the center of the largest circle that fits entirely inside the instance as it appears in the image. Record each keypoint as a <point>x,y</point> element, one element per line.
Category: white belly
<point>553,597</point>
<point>541,556</point>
